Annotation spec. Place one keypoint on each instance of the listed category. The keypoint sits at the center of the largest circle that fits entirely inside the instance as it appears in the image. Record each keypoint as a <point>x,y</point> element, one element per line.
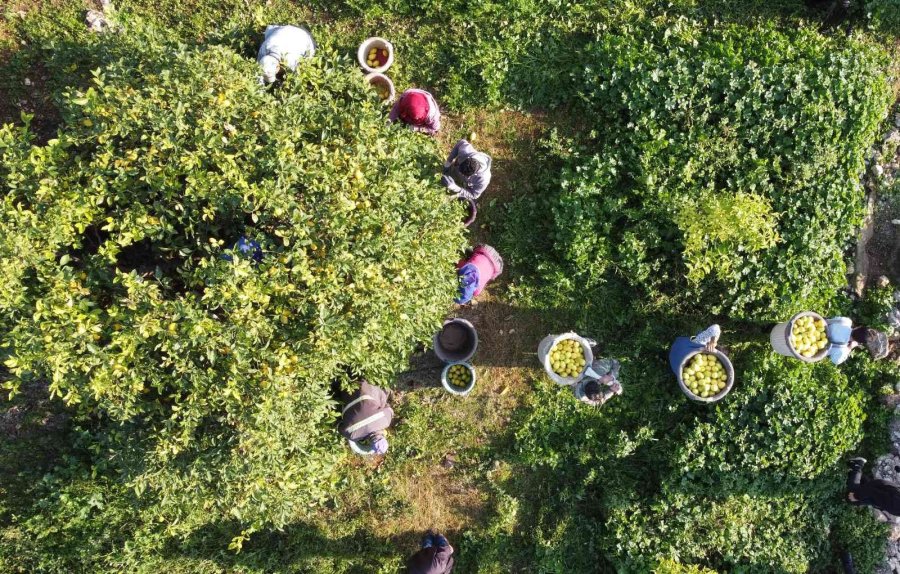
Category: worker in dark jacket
<point>435,556</point>
<point>366,416</point>
<point>879,494</point>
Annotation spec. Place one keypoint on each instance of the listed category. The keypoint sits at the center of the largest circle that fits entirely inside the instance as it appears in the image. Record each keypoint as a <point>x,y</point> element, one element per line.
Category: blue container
<point>682,348</point>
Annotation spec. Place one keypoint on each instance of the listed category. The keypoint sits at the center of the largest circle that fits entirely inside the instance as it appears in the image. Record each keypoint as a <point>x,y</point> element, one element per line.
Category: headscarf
<point>413,108</point>
<point>380,444</point>
<point>468,283</point>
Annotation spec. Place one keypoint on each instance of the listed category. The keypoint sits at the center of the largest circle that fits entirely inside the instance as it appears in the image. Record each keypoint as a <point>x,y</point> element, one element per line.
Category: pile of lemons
<point>567,358</point>
<point>809,336</point>
<point>377,58</point>
<point>459,376</point>
<point>705,375</point>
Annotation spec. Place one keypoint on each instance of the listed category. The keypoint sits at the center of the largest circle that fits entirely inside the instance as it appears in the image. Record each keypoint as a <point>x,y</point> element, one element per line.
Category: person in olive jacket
<point>435,556</point>
<point>366,416</point>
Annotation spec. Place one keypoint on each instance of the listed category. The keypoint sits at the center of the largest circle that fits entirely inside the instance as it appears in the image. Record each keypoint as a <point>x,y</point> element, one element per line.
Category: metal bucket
<point>683,350</point>
<point>452,389</point>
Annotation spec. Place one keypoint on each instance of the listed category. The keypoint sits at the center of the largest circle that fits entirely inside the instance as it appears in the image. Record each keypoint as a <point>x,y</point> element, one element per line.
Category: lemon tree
<point>122,286</point>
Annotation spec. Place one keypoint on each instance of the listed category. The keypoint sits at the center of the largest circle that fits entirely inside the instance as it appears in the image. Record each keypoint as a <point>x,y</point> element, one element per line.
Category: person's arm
<point>395,110</point>
<point>443,559</point>
<point>476,185</point>
<point>451,185</point>
<point>433,123</point>
<point>453,155</point>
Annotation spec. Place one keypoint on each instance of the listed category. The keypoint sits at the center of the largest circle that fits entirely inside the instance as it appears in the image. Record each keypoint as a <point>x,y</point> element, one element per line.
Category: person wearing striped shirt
<point>366,416</point>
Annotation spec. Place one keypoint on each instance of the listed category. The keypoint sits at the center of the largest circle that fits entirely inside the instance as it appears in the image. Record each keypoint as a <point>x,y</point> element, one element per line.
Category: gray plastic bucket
<point>780,338</point>
<point>456,353</point>
<point>729,370</point>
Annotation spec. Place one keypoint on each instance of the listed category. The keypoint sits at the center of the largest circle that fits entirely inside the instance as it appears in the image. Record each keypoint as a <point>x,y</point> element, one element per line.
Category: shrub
<point>884,15</point>
<point>719,230</point>
<point>122,289</point>
<point>736,534</point>
<point>789,423</point>
<point>684,116</point>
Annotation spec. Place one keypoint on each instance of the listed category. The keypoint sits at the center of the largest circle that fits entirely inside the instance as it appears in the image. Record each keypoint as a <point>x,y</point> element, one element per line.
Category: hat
<point>270,66</point>
<point>380,445</point>
<point>876,342</point>
<point>468,283</point>
<point>413,108</point>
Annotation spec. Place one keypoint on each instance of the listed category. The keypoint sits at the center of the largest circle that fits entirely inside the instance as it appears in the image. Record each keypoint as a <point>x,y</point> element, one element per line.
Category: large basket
<point>550,341</point>
<point>780,337</point>
<point>465,352</point>
<point>729,370</point>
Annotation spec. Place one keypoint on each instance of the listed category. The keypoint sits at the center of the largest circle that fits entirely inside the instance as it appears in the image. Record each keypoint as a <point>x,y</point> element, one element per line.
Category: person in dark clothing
<point>435,556</point>
<point>467,172</point>
<point>879,494</point>
<point>366,416</point>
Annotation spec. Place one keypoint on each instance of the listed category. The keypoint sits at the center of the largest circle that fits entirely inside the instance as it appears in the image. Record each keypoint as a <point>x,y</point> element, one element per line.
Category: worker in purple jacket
<point>366,416</point>
<point>417,109</point>
<point>879,494</point>
<point>467,172</point>
<point>435,556</point>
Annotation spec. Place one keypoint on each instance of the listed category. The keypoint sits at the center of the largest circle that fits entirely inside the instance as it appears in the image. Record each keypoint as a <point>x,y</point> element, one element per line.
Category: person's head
<point>379,443</point>
<point>413,108</point>
<point>469,166</point>
<point>270,67</point>
<point>873,340</point>
<point>468,283</point>
<point>592,390</point>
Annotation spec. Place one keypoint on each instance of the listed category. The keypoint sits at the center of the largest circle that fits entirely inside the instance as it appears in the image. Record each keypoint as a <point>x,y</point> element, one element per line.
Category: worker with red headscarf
<point>417,109</point>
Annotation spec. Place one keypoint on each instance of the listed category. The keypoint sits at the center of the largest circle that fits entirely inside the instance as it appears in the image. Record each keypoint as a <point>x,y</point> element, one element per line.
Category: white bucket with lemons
<point>804,336</point>
<point>567,358</point>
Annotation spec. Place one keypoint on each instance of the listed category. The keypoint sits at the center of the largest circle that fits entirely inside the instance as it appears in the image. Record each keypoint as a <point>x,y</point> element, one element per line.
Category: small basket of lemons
<point>458,378</point>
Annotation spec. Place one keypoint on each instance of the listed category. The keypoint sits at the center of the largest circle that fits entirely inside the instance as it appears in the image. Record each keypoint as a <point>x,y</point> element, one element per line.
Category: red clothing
<point>417,109</point>
<point>488,262</point>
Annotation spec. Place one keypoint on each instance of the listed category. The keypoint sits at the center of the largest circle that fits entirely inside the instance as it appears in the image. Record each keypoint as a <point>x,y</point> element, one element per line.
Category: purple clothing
<point>432,560</point>
<point>488,263</point>
<point>470,187</point>
<point>432,123</point>
<point>468,283</point>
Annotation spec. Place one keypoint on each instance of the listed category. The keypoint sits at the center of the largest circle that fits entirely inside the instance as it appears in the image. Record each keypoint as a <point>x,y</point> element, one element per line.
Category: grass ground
<point>444,469</point>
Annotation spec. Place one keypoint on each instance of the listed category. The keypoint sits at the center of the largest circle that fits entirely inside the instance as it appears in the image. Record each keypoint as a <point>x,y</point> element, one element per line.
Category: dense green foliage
<point>686,126</point>
<point>117,290</point>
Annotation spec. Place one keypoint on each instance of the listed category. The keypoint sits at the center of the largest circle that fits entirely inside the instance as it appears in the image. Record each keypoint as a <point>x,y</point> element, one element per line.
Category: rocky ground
<point>879,256</point>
